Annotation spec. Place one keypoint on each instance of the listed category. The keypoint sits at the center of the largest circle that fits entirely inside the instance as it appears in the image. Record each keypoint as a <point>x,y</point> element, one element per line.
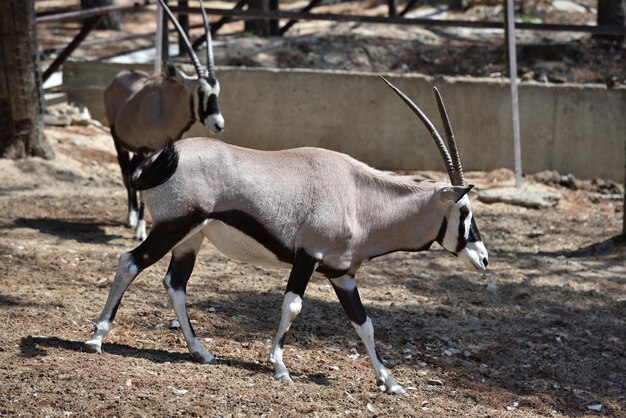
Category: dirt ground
<point>542,333</point>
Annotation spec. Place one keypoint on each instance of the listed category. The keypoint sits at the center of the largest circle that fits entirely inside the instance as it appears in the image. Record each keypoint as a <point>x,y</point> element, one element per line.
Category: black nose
<point>218,128</point>
<point>485,262</point>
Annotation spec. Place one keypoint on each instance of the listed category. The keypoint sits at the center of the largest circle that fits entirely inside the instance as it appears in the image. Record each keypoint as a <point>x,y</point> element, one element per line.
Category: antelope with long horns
<point>312,210</point>
<point>146,111</point>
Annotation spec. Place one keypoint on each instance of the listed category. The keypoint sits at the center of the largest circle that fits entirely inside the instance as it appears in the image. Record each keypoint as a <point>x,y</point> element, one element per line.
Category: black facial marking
<point>303,268</point>
<point>211,105</point>
<point>351,303</point>
<point>474,234</point>
<point>461,241</point>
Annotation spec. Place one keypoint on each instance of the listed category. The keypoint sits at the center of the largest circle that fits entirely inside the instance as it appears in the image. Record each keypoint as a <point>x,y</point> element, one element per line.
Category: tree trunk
<point>21,94</point>
<point>110,21</point>
<point>612,12</point>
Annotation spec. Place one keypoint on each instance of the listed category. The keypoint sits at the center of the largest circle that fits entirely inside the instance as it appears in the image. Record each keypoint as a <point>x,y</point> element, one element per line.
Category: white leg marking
<point>133,217</point>
<point>140,230</point>
<point>383,377</point>
<point>292,305</point>
<point>126,273</point>
<point>195,347</point>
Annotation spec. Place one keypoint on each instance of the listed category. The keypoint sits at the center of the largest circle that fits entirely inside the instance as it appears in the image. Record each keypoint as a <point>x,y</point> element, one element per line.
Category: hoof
<point>93,346</point>
<point>283,378</point>
<point>204,358</point>
<point>397,390</point>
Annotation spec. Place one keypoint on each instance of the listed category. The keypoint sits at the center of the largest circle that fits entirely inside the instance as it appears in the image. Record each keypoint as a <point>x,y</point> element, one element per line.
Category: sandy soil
<point>541,334</point>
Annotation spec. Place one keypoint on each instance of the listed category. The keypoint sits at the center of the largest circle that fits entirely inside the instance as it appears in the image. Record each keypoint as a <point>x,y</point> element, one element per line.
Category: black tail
<point>152,172</point>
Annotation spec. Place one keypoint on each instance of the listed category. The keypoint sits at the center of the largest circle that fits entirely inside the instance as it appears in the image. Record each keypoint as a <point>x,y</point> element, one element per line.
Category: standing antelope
<point>309,209</point>
<point>146,111</point>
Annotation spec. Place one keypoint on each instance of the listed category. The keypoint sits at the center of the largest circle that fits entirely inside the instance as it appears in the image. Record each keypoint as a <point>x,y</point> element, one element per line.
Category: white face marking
<point>474,254</point>
<point>451,237</point>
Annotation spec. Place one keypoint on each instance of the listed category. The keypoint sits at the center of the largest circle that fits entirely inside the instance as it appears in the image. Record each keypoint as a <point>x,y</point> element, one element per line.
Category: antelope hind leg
<point>175,282</point>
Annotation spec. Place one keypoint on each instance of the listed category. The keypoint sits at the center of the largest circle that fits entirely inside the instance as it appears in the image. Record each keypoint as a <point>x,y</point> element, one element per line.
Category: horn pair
<point>453,162</point>
<point>210,70</point>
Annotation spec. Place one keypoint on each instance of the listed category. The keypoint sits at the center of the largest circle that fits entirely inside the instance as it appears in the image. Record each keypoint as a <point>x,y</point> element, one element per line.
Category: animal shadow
<point>82,231</point>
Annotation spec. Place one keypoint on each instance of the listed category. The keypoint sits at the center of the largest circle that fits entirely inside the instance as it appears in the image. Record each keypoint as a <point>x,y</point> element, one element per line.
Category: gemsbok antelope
<point>146,111</point>
<point>312,210</point>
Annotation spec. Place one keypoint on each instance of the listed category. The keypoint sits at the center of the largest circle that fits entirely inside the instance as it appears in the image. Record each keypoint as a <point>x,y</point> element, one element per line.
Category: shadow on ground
<point>83,231</point>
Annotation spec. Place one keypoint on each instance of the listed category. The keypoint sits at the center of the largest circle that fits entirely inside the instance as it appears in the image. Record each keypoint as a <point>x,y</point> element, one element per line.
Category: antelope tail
<point>156,169</point>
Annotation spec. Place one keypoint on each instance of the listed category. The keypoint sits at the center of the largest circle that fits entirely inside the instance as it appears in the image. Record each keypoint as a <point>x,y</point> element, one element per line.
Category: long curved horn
<point>179,29</point>
<point>431,128</point>
<point>454,152</point>
<point>210,63</point>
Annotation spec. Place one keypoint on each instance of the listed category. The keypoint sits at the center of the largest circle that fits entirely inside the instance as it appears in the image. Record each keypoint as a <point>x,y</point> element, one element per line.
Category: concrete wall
<point>569,128</point>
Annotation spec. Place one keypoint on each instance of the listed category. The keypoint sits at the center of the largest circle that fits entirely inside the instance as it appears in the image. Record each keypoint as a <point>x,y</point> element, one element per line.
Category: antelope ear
<point>454,193</point>
<point>174,73</point>
<point>170,70</point>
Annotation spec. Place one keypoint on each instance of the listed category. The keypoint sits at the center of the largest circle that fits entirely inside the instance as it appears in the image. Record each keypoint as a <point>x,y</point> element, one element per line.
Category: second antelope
<point>146,111</point>
<point>309,209</point>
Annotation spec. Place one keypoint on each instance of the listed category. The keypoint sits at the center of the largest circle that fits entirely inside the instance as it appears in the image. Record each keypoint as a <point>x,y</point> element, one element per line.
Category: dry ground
<point>541,334</point>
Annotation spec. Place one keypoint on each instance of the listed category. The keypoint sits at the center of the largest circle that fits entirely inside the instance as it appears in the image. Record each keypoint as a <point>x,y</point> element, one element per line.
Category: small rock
<point>353,354</point>
<point>211,309</point>
<point>175,324</point>
<point>180,391</point>
<point>492,287</point>
<point>435,382</point>
<point>128,383</point>
<point>595,407</point>
<point>513,407</point>
<point>56,120</point>
<point>370,408</point>
<point>568,6</point>
<point>520,197</point>
<point>535,234</point>
<point>448,352</point>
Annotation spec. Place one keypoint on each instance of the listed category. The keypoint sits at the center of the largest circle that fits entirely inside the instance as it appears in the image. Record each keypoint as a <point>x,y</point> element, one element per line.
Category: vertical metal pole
<point>165,38</point>
<point>158,40</point>
<point>183,19</point>
<point>510,41</point>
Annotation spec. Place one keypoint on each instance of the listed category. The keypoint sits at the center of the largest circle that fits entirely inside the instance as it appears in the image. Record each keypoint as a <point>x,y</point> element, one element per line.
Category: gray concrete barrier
<point>570,128</point>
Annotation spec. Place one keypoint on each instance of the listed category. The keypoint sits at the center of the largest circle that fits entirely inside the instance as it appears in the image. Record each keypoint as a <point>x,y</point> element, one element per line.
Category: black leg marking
<point>303,268</point>
<point>281,342</point>
<point>351,303</point>
<point>180,269</point>
<point>163,237</point>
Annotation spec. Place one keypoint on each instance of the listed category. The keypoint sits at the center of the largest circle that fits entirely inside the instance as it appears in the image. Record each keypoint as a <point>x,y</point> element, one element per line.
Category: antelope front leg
<point>348,294</point>
<point>175,282</point>
<point>303,268</point>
